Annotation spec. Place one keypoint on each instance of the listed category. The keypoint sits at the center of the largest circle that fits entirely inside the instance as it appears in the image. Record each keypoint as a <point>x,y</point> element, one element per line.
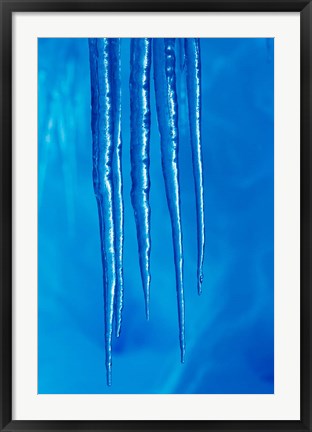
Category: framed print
<point>155,215</point>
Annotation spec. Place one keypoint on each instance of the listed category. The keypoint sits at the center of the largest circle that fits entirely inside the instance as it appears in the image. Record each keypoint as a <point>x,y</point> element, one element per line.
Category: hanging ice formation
<point>105,172</point>
<point>192,54</point>
<point>117,178</point>
<point>167,113</point>
<point>107,169</point>
<point>140,65</point>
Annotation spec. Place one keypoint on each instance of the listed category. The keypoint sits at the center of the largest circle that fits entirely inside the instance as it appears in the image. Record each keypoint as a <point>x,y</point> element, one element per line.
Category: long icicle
<point>167,113</point>
<point>193,68</point>
<point>102,137</point>
<point>140,154</point>
<point>117,179</point>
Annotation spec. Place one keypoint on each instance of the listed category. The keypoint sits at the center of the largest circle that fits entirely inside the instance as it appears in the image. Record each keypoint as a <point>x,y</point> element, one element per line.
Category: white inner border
<point>285,403</point>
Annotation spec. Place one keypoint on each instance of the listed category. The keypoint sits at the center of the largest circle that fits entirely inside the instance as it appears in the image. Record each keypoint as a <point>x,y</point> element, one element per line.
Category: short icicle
<point>167,113</point>
<point>102,137</point>
<point>140,154</point>
<point>117,179</point>
<point>193,68</point>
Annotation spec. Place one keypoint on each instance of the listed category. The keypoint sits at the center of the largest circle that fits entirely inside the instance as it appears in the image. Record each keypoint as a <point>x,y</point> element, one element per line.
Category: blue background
<point>229,328</point>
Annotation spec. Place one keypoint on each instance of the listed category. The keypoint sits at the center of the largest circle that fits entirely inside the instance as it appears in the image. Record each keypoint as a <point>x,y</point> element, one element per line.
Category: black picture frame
<point>7,8</point>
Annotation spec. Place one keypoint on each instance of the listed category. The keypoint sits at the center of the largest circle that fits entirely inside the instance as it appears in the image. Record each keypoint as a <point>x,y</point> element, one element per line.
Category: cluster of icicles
<point>105,66</point>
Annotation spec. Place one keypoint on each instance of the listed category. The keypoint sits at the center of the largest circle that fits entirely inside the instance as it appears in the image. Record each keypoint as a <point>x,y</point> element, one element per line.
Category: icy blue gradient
<point>229,328</point>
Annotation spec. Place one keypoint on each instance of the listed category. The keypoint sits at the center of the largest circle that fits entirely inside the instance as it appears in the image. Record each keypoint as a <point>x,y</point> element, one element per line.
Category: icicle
<point>102,136</point>
<point>167,112</point>
<point>192,51</point>
<point>117,179</point>
<point>140,157</point>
